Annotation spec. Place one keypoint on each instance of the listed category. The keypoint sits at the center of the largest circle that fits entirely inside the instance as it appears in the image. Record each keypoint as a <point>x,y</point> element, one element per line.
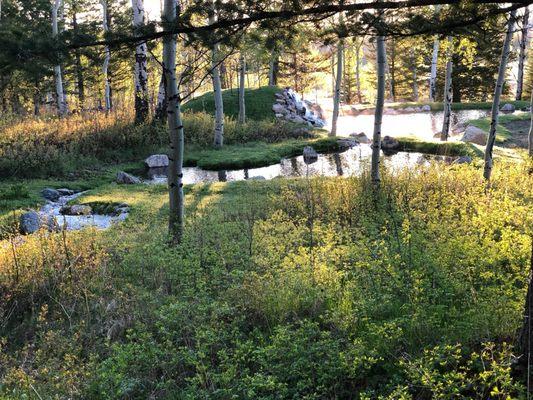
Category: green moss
<point>438,148</point>
<point>258,103</point>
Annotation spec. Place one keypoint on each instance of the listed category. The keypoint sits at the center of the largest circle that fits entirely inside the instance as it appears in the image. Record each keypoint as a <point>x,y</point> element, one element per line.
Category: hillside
<point>258,103</point>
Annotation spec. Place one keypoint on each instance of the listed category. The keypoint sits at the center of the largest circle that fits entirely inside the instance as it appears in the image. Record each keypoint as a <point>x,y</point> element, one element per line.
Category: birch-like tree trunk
<point>378,114</point>
<point>107,59</point>
<point>62,108</point>
<point>448,93</point>
<point>140,71</point>
<point>161,105</point>
<point>522,55</point>
<point>79,68</point>
<point>337,88</point>
<point>175,125</point>
<point>491,138</point>
<point>217,87</point>
<point>433,72</point>
<point>242,79</point>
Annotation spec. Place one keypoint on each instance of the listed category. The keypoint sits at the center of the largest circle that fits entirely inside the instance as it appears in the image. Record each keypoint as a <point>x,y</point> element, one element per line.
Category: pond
<point>350,162</point>
<point>423,125</point>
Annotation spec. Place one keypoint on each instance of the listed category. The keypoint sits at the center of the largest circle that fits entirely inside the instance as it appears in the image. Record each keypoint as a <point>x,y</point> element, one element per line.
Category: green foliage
<point>258,103</point>
<point>439,148</point>
<point>281,289</point>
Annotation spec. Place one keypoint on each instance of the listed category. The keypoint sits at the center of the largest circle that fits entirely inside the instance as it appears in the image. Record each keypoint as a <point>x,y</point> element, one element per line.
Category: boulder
<point>389,144</point>
<point>50,222</point>
<point>463,160</point>
<point>346,143</point>
<point>425,107</point>
<point>279,109</point>
<point>278,115</point>
<point>459,128</point>
<point>297,119</point>
<point>126,179</point>
<point>507,107</point>
<point>66,192</point>
<point>77,209</point>
<point>50,194</point>
<point>310,155</point>
<point>360,137</point>
<point>473,134</point>
<point>29,222</point>
<point>157,160</point>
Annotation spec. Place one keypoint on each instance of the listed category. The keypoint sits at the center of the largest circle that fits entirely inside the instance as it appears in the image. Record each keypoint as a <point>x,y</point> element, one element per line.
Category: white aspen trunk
<point>107,58</point>
<point>62,109</point>
<point>337,88</point>
<point>433,72</point>
<point>378,114</point>
<point>491,138</point>
<point>242,77</point>
<point>175,126</point>
<point>522,55</point>
<point>217,87</point>
<point>388,76</point>
<point>448,92</point>
<point>161,103</point>
<point>140,71</point>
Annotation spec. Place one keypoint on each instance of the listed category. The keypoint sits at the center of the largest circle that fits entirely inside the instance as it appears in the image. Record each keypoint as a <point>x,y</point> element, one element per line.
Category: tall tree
<point>62,108</point>
<point>522,55</point>
<point>433,71</point>
<point>338,84</point>
<point>530,135</point>
<point>491,138</point>
<point>448,93</point>
<point>217,86</point>
<point>378,114</point>
<point>140,77</point>
<point>242,78</point>
<point>107,58</point>
<point>78,65</point>
<point>175,125</point>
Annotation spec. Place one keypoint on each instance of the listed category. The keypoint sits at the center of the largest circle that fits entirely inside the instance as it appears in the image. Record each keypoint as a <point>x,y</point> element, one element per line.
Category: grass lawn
<point>438,148</point>
<point>258,103</point>
<point>438,106</point>
<point>502,133</point>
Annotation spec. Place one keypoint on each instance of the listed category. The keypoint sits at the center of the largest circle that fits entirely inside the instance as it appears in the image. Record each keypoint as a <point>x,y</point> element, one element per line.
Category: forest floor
<point>288,288</point>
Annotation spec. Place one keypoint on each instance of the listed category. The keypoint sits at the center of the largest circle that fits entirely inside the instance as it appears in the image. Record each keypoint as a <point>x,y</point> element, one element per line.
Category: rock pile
<point>289,106</point>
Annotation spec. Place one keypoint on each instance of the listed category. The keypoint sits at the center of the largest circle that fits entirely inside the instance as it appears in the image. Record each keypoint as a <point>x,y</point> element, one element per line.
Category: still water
<point>420,124</point>
<point>350,162</point>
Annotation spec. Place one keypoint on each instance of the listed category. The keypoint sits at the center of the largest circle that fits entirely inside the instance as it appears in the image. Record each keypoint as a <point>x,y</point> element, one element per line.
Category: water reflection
<point>350,162</point>
<point>421,124</point>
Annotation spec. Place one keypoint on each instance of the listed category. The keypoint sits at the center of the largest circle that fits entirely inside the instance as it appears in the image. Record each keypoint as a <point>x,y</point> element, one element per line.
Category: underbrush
<point>49,146</point>
<point>285,289</point>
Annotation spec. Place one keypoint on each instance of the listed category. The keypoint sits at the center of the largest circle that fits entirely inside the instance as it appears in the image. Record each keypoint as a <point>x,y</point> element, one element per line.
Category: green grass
<point>285,289</point>
<point>439,148</point>
<point>258,103</point>
<point>502,133</point>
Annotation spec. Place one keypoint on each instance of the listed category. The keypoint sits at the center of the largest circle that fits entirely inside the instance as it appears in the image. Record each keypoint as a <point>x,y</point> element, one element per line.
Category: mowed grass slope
<point>258,103</point>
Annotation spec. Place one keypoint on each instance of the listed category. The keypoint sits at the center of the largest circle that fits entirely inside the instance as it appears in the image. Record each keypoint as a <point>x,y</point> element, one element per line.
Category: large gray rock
<point>507,107</point>
<point>389,144</point>
<point>360,137</point>
<point>127,179</point>
<point>279,109</point>
<point>463,160</point>
<point>66,192</point>
<point>50,194</point>
<point>77,209</point>
<point>473,134</point>
<point>425,107</point>
<point>157,160</point>
<point>310,155</point>
<point>29,222</point>
<point>346,143</point>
